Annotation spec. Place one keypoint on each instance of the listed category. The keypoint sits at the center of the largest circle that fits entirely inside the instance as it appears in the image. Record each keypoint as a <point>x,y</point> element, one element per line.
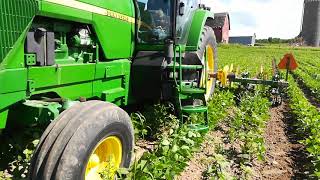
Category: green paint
<point>112,79</point>
<point>198,22</point>
<point>13,80</point>
<point>116,36</point>
<point>99,71</point>
<point>11,98</point>
<point>3,118</point>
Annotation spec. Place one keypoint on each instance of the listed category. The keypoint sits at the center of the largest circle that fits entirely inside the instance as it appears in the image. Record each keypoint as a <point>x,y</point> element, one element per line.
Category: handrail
<point>180,67</point>
<point>174,67</point>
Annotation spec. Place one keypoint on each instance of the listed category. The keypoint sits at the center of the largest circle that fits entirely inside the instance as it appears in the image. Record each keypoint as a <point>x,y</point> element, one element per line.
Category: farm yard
<point>248,137</point>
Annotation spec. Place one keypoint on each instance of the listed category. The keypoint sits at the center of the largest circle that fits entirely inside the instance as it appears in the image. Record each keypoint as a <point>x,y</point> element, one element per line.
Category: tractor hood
<point>15,17</point>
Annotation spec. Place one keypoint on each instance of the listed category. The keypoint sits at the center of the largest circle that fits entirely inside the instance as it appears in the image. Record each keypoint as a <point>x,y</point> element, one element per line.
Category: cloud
<point>244,18</point>
<point>266,18</point>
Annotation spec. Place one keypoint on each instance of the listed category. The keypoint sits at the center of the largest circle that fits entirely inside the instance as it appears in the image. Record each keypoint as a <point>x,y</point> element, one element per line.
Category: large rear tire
<point>208,52</point>
<point>83,141</point>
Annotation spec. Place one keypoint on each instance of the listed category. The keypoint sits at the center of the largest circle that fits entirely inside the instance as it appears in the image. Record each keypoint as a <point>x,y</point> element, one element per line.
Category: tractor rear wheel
<point>85,141</point>
<point>207,51</point>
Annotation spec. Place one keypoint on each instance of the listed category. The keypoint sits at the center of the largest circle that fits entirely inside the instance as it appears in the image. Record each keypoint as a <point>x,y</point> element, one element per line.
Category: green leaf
<point>123,171</point>
<point>175,148</point>
<point>165,142</point>
<point>185,147</point>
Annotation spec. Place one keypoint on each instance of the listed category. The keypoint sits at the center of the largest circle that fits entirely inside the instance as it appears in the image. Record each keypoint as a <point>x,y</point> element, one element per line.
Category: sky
<point>266,18</point>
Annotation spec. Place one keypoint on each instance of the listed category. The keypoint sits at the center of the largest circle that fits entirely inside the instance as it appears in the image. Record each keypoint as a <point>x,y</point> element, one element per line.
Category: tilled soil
<point>199,163</point>
<point>285,157</point>
<point>142,147</point>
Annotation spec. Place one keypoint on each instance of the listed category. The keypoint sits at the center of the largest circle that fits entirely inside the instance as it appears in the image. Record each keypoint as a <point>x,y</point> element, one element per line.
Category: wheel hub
<point>105,160</point>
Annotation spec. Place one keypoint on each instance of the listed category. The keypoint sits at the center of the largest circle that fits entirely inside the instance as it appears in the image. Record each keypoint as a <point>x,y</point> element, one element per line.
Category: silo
<point>311,23</point>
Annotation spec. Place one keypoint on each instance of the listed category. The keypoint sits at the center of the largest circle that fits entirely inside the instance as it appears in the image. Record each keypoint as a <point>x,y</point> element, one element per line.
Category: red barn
<point>221,27</point>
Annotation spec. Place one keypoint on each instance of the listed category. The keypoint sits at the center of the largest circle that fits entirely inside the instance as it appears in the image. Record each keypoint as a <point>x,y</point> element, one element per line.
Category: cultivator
<point>277,84</point>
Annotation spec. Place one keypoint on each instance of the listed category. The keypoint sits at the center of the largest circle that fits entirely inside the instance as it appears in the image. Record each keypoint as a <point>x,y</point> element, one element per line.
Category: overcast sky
<point>266,18</point>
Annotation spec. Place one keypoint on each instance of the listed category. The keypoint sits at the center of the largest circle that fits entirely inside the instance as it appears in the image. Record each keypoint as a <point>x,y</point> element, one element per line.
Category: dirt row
<point>201,160</point>
<point>285,158</point>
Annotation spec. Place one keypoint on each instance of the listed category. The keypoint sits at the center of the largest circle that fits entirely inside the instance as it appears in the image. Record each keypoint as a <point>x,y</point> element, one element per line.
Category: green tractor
<point>71,65</point>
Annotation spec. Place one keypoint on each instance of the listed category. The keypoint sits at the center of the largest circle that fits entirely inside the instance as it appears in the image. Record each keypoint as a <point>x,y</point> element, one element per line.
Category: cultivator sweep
<point>277,85</point>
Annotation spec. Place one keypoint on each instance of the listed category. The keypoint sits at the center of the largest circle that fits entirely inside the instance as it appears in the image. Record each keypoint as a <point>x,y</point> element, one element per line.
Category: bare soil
<point>285,157</point>
<point>200,161</point>
<point>216,140</point>
<point>141,147</point>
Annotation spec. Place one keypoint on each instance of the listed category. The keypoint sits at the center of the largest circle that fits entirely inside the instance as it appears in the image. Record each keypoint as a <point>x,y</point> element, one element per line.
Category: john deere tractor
<point>72,65</point>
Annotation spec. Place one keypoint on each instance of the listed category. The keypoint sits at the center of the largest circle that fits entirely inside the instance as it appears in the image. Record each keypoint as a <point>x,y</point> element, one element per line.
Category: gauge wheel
<point>207,50</point>
<point>91,140</point>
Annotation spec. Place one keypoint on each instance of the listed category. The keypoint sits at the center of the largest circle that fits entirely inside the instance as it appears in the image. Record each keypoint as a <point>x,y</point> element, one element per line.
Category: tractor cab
<point>162,26</point>
<point>155,21</point>
<point>159,20</point>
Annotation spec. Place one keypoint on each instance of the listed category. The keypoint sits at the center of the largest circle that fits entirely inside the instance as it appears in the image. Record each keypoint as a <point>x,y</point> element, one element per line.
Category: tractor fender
<point>200,19</point>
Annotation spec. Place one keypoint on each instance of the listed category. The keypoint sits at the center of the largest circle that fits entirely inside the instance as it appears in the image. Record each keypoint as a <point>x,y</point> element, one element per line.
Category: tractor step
<point>199,128</point>
<point>190,67</point>
<point>194,109</point>
<point>190,90</point>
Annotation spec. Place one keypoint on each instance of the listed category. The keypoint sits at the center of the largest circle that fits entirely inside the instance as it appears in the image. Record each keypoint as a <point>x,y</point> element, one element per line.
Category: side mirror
<point>181,8</point>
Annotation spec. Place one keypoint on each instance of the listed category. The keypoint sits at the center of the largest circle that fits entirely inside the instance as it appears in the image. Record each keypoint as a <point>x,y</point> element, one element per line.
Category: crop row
<point>312,83</point>
<point>308,119</point>
<point>311,70</point>
<point>310,61</point>
<point>244,134</point>
<point>175,148</point>
<point>249,123</point>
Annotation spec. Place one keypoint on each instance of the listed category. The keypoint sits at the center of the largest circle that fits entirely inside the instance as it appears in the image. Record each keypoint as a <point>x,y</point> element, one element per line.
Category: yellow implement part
<point>238,71</point>
<point>206,80</point>
<point>223,76</point>
<point>261,69</point>
<point>231,68</point>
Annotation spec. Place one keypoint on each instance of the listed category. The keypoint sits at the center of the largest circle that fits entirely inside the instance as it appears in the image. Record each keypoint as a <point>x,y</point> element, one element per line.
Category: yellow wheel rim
<point>207,82</point>
<point>105,159</point>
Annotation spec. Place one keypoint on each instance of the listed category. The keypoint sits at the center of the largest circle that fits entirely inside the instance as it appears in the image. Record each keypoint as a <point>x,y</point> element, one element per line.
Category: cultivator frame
<point>277,84</point>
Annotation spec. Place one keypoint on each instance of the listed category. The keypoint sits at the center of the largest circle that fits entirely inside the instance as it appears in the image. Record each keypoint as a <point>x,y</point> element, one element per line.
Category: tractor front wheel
<point>90,140</point>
